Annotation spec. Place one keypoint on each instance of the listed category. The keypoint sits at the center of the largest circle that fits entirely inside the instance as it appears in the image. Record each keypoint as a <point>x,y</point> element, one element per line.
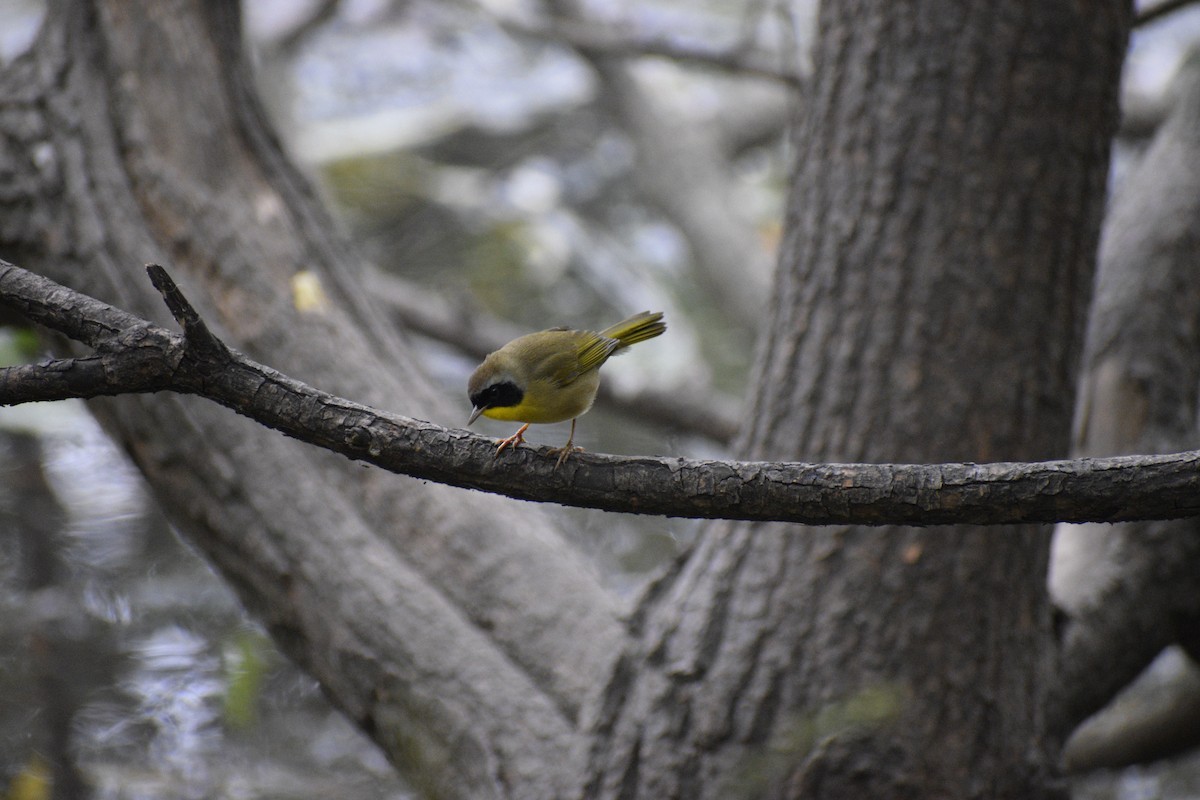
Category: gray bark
<point>929,304</point>
<point>135,356</point>
<point>132,135</point>
<point>1139,393</point>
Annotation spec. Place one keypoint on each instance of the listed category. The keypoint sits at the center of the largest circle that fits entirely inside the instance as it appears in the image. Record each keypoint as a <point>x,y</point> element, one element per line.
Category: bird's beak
<point>474,415</point>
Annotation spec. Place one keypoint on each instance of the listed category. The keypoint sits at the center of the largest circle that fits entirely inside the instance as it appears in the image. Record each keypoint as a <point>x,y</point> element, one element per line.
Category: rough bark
<point>134,356</point>
<point>1139,393</point>
<point>930,303</point>
<point>459,630</point>
<point>941,231</point>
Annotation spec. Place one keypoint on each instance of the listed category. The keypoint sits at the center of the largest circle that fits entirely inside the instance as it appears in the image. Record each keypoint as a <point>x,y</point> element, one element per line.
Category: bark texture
<point>135,356</point>
<point>131,134</point>
<point>941,230</point>
<point>930,301</point>
<point>1139,393</point>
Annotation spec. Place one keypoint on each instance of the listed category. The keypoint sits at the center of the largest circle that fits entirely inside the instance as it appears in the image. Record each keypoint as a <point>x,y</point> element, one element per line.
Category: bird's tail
<point>637,328</point>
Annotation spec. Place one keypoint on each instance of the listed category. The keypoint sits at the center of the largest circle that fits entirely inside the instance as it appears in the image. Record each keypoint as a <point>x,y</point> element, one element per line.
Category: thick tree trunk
<point>930,305</point>
<point>457,628</point>
<point>941,232</point>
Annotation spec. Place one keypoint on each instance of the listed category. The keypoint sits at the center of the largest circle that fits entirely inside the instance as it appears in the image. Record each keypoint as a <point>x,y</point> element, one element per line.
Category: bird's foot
<point>563,452</point>
<point>512,441</point>
<point>566,449</point>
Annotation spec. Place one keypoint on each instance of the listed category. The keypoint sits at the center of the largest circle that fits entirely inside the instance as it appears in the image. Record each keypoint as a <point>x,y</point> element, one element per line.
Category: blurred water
<point>132,648</point>
<point>177,684</point>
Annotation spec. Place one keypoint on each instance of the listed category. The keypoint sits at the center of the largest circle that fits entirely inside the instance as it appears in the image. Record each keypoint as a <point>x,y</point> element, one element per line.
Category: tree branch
<point>143,357</point>
<point>199,337</point>
<point>592,37</point>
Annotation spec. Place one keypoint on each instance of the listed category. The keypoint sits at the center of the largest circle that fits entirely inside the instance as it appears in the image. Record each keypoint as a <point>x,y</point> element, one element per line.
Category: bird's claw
<point>512,441</point>
<point>563,452</point>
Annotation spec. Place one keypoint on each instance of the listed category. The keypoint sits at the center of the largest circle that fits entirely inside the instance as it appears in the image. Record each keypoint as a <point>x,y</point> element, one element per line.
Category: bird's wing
<point>593,350</point>
<point>588,352</point>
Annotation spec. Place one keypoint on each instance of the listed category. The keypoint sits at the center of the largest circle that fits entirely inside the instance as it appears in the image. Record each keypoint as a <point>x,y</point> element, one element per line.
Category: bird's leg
<point>512,441</point>
<point>566,449</point>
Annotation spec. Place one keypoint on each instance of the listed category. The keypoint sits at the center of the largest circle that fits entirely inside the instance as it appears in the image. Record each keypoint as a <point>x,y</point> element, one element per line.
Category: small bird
<point>551,376</point>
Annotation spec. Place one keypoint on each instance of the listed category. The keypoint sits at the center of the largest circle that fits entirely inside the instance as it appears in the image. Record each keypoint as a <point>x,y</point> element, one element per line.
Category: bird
<point>551,376</point>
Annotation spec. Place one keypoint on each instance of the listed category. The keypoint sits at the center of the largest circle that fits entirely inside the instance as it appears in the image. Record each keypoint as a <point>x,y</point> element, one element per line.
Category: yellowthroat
<point>551,376</point>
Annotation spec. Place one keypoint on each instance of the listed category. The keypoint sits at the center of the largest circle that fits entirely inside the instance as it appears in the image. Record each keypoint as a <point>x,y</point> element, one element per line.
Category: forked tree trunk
<point>935,274</point>
<point>942,229</point>
<point>458,629</point>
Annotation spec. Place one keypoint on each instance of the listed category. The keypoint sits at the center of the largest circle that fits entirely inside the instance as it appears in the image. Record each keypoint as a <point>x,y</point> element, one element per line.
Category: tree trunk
<point>935,273</point>
<point>929,305</point>
<point>458,629</point>
<point>1140,393</point>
